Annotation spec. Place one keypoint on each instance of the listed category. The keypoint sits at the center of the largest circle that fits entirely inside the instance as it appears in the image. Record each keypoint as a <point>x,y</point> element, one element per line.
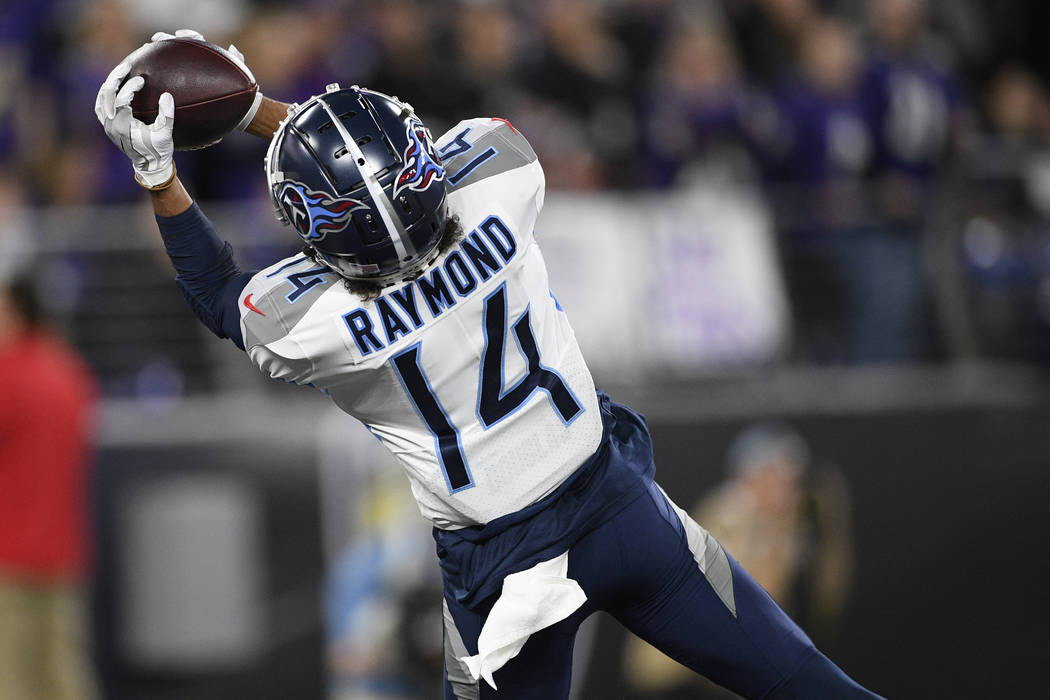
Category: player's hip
<point>475,560</point>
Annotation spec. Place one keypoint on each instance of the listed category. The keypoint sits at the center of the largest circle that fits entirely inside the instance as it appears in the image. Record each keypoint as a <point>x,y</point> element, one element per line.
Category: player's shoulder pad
<point>277,298</point>
<point>476,149</point>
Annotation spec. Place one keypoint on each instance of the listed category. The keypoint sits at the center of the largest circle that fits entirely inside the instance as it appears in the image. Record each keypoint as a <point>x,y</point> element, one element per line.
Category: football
<point>212,93</point>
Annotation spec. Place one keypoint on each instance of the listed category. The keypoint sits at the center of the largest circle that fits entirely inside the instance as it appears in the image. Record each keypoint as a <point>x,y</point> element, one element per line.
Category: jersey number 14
<point>494,403</point>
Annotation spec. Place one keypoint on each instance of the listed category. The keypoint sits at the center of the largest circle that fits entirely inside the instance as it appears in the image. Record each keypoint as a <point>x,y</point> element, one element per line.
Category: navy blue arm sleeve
<point>205,271</point>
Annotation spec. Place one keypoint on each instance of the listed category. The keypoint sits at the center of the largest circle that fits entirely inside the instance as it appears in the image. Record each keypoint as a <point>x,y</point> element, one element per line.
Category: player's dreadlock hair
<point>368,291</point>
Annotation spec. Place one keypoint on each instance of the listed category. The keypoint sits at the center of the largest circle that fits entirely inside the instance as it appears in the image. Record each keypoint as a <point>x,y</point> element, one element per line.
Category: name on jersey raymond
<point>482,253</point>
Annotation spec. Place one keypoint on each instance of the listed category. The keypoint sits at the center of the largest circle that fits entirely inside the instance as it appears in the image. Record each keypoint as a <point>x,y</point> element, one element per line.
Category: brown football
<point>212,93</point>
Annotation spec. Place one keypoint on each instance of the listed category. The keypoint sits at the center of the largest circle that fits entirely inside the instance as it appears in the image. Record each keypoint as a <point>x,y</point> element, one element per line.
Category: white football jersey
<point>470,374</point>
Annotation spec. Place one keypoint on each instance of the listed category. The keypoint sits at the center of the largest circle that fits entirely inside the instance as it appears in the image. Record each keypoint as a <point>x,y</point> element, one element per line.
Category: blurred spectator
<point>1019,30</point>
<point>1019,110</point>
<point>489,43</point>
<point>642,28</point>
<point>785,522</point>
<point>628,94</point>
<point>829,146</point>
<point>816,173</point>
<point>581,121</point>
<point>914,107</point>
<point>701,119</point>
<point>46,404</point>
<point>1004,232</point>
<point>28,129</point>
<point>383,591</point>
<point>769,34</point>
<point>80,168</point>
<point>16,245</point>
<point>407,33</point>
<point>788,519</point>
<point>914,102</point>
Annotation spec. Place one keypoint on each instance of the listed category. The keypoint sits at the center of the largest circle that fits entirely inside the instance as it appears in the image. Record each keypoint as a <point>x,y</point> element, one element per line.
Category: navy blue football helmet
<point>356,174</point>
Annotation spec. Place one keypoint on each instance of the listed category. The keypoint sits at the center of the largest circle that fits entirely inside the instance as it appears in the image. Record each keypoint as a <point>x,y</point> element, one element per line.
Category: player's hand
<point>149,146</point>
<point>235,55</point>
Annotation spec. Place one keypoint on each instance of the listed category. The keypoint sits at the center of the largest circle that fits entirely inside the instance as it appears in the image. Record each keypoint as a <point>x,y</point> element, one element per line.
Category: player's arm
<point>172,200</point>
<point>205,268</point>
<point>268,118</point>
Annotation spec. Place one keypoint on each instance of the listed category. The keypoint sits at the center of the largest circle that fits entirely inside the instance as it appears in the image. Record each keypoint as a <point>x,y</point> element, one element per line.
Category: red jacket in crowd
<point>46,403</point>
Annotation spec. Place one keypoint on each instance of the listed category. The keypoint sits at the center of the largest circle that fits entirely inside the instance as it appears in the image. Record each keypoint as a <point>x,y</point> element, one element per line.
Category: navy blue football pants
<point>670,583</point>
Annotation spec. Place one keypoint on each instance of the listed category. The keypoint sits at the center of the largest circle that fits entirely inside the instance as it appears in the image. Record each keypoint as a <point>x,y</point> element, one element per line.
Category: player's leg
<point>542,669</point>
<point>20,625</point>
<point>690,599</point>
<point>67,673</point>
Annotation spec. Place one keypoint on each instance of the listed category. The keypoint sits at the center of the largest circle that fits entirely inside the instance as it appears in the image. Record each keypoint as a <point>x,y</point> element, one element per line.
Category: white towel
<point>531,600</point>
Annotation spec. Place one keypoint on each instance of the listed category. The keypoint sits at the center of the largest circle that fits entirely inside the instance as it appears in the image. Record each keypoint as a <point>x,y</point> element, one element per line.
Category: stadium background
<point>832,214</point>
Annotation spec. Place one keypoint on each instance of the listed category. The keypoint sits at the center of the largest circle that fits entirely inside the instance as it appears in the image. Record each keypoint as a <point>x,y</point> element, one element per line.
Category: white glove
<point>234,54</point>
<point>149,146</point>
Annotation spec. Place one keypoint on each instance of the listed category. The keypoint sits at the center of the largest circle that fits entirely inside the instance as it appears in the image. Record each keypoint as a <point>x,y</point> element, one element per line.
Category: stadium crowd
<point>900,147</point>
<point>875,129</point>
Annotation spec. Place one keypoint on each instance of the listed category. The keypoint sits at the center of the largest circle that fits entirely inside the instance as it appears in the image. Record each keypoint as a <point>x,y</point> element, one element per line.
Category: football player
<point>420,305</point>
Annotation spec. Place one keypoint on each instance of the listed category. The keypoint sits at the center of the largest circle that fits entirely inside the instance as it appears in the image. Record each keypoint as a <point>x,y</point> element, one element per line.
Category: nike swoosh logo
<point>250,305</point>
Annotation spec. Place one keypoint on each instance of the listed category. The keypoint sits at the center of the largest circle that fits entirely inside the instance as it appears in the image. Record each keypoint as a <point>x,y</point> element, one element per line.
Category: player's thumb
<point>165,113</point>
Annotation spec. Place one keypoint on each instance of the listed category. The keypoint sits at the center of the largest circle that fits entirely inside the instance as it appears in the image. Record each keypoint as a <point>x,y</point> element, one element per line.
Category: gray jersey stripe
<point>465,687</point>
<point>512,151</point>
<point>282,312</point>
<point>264,329</point>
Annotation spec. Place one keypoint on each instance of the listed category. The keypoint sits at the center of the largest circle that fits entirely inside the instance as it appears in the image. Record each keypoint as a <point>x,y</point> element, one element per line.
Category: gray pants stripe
<point>709,556</point>
<point>465,687</point>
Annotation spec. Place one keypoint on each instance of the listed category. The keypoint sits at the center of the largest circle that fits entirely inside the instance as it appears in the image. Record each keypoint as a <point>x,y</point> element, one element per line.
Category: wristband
<point>162,186</point>
<point>250,114</point>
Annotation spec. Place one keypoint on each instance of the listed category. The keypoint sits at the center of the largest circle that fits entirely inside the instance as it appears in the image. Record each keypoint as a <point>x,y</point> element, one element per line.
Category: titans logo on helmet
<point>421,165</point>
<point>315,214</point>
